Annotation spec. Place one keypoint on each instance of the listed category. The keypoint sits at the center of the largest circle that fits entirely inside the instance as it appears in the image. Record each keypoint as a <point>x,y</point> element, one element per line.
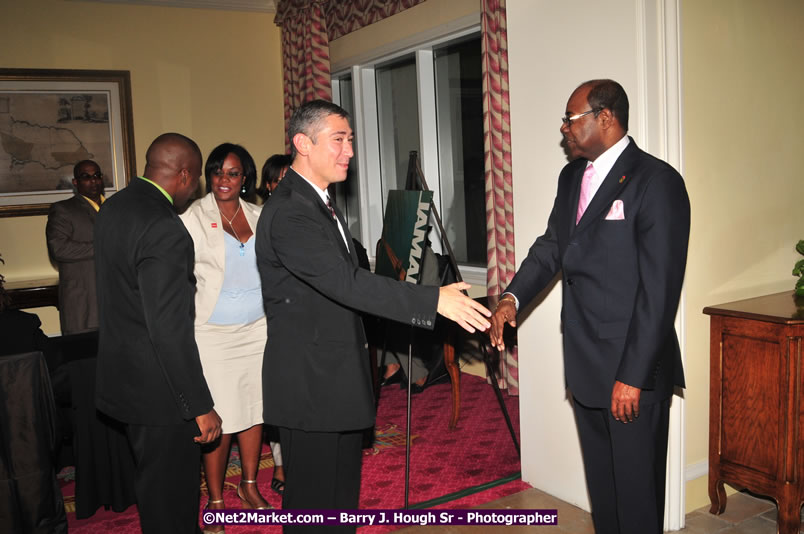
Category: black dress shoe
<point>393,379</point>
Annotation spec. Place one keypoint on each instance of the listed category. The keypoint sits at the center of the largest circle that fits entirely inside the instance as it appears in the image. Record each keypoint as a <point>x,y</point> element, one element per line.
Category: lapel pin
<point>214,225</point>
<point>622,179</point>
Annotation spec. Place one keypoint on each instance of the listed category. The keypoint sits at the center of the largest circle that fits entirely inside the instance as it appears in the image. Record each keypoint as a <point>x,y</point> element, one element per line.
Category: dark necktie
<point>331,209</point>
<point>337,222</point>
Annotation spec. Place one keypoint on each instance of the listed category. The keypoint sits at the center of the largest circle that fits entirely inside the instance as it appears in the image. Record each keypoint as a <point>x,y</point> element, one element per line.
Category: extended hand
<point>505,313</point>
<point>210,426</point>
<point>456,306</point>
<point>625,402</point>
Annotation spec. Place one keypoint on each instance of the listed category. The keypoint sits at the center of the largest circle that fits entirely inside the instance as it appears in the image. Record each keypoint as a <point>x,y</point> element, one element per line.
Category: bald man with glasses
<point>618,233</point>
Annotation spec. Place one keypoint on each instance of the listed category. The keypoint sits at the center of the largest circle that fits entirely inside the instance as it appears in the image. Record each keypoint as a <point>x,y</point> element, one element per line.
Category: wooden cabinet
<point>756,402</point>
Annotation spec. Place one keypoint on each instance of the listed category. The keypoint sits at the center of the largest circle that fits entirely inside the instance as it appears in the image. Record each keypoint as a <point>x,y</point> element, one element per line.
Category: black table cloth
<point>30,499</point>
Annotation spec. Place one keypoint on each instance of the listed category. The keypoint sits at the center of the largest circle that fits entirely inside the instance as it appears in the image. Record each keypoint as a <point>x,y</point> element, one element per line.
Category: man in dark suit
<point>149,373</point>
<point>69,230</point>
<point>316,375</point>
<point>618,232</point>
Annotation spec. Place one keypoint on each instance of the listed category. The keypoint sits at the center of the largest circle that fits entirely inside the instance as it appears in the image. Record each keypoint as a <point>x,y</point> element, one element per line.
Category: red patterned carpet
<point>443,462</point>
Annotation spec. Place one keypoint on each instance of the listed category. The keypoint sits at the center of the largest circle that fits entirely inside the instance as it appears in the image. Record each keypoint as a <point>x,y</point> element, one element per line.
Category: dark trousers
<point>167,485</point>
<point>625,467</point>
<point>322,472</point>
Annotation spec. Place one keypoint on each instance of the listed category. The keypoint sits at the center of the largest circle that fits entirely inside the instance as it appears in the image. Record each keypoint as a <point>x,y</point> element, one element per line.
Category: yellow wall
<point>212,75</point>
<point>742,147</point>
<point>216,76</point>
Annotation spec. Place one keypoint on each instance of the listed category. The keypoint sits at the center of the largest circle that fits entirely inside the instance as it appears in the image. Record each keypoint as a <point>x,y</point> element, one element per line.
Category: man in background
<point>149,372</point>
<point>618,232</point>
<point>69,232</point>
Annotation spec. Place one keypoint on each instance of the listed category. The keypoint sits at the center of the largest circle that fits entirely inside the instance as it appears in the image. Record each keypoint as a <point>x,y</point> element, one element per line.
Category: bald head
<point>596,119</point>
<point>88,180</point>
<point>608,94</point>
<point>174,162</point>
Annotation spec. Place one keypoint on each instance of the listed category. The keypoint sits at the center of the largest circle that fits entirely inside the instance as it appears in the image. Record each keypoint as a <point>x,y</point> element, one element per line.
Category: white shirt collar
<point>323,194</point>
<point>606,160</point>
<point>325,198</point>
<point>604,163</point>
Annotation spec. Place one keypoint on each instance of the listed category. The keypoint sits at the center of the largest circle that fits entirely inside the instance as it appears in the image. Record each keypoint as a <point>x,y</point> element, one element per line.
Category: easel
<point>491,357</point>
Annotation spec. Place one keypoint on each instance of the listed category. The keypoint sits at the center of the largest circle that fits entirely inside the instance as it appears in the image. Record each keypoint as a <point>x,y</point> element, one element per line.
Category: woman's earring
<point>243,188</point>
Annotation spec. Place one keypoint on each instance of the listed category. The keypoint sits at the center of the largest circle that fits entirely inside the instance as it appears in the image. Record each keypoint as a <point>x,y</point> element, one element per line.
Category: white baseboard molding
<point>696,470</point>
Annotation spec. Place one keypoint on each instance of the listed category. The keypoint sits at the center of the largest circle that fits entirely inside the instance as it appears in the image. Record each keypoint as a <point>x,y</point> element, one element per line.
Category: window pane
<point>398,118</point>
<point>459,108</point>
<point>347,194</point>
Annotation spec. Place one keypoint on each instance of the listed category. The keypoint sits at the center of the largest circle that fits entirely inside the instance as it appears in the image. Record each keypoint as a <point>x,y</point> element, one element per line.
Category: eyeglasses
<point>96,176</point>
<point>234,175</point>
<point>567,120</point>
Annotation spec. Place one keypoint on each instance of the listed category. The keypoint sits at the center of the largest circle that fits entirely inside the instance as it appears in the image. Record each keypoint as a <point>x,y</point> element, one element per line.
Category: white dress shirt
<point>602,165</point>
<point>324,194</point>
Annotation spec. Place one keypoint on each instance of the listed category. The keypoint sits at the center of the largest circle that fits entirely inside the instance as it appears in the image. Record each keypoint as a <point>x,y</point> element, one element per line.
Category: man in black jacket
<point>618,233</point>
<point>316,375</point>
<point>149,372</point>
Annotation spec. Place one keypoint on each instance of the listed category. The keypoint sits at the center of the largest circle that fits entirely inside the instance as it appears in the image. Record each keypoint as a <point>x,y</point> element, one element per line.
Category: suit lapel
<point>616,180</point>
<point>352,253</point>
<point>251,216</point>
<point>305,189</point>
<point>573,199</point>
<point>84,205</point>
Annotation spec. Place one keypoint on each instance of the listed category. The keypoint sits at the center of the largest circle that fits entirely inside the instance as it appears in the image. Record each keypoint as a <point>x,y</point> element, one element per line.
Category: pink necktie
<point>586,191</point>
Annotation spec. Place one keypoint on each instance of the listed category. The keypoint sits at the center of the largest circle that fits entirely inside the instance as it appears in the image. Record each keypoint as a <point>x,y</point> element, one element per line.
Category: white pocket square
<point>617,211</point>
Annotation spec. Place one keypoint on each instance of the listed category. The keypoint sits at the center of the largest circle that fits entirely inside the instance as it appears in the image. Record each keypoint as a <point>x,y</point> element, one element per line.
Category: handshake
<point>471,315</point>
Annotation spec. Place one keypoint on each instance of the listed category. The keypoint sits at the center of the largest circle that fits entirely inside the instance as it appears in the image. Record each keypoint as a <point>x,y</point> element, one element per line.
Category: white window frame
<point>367,164</point>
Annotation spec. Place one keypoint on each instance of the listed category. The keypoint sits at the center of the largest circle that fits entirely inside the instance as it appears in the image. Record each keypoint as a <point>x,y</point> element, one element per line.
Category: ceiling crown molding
<point>265,6</point>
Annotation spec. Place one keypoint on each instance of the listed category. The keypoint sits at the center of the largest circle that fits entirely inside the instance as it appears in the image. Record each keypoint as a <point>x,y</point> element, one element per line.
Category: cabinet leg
<point>789,516</point>
<point>717,496</point>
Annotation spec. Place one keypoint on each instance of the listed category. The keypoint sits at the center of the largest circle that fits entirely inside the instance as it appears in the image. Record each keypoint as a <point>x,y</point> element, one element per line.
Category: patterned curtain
<point>307,28</point>
<point>305,53</point>
<point>347,16</point>
<point>499,188</point>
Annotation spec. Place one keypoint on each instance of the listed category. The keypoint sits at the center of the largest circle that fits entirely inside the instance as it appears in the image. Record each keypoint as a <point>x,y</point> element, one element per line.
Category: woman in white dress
<point>230,326</point>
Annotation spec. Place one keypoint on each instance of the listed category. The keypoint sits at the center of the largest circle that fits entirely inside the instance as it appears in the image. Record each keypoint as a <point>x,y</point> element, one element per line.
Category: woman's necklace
<point>242,245</point>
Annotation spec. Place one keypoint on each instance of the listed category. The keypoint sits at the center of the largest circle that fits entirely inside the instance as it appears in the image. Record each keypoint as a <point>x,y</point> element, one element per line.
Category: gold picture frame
<point>50,119</point>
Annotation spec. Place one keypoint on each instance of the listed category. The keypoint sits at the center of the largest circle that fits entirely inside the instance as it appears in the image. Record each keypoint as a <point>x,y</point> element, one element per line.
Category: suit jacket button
<point>429,323</point>
<point>570,281</point>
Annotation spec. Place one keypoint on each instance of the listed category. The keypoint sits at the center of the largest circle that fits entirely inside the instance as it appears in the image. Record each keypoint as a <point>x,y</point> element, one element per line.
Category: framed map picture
<point>52,119</point>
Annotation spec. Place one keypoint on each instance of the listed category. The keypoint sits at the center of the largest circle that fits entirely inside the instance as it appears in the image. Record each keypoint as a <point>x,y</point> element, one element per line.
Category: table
<point>104,463</point>
<point>33,293</point>
<point>30,499</point>
<point>756,402</point>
